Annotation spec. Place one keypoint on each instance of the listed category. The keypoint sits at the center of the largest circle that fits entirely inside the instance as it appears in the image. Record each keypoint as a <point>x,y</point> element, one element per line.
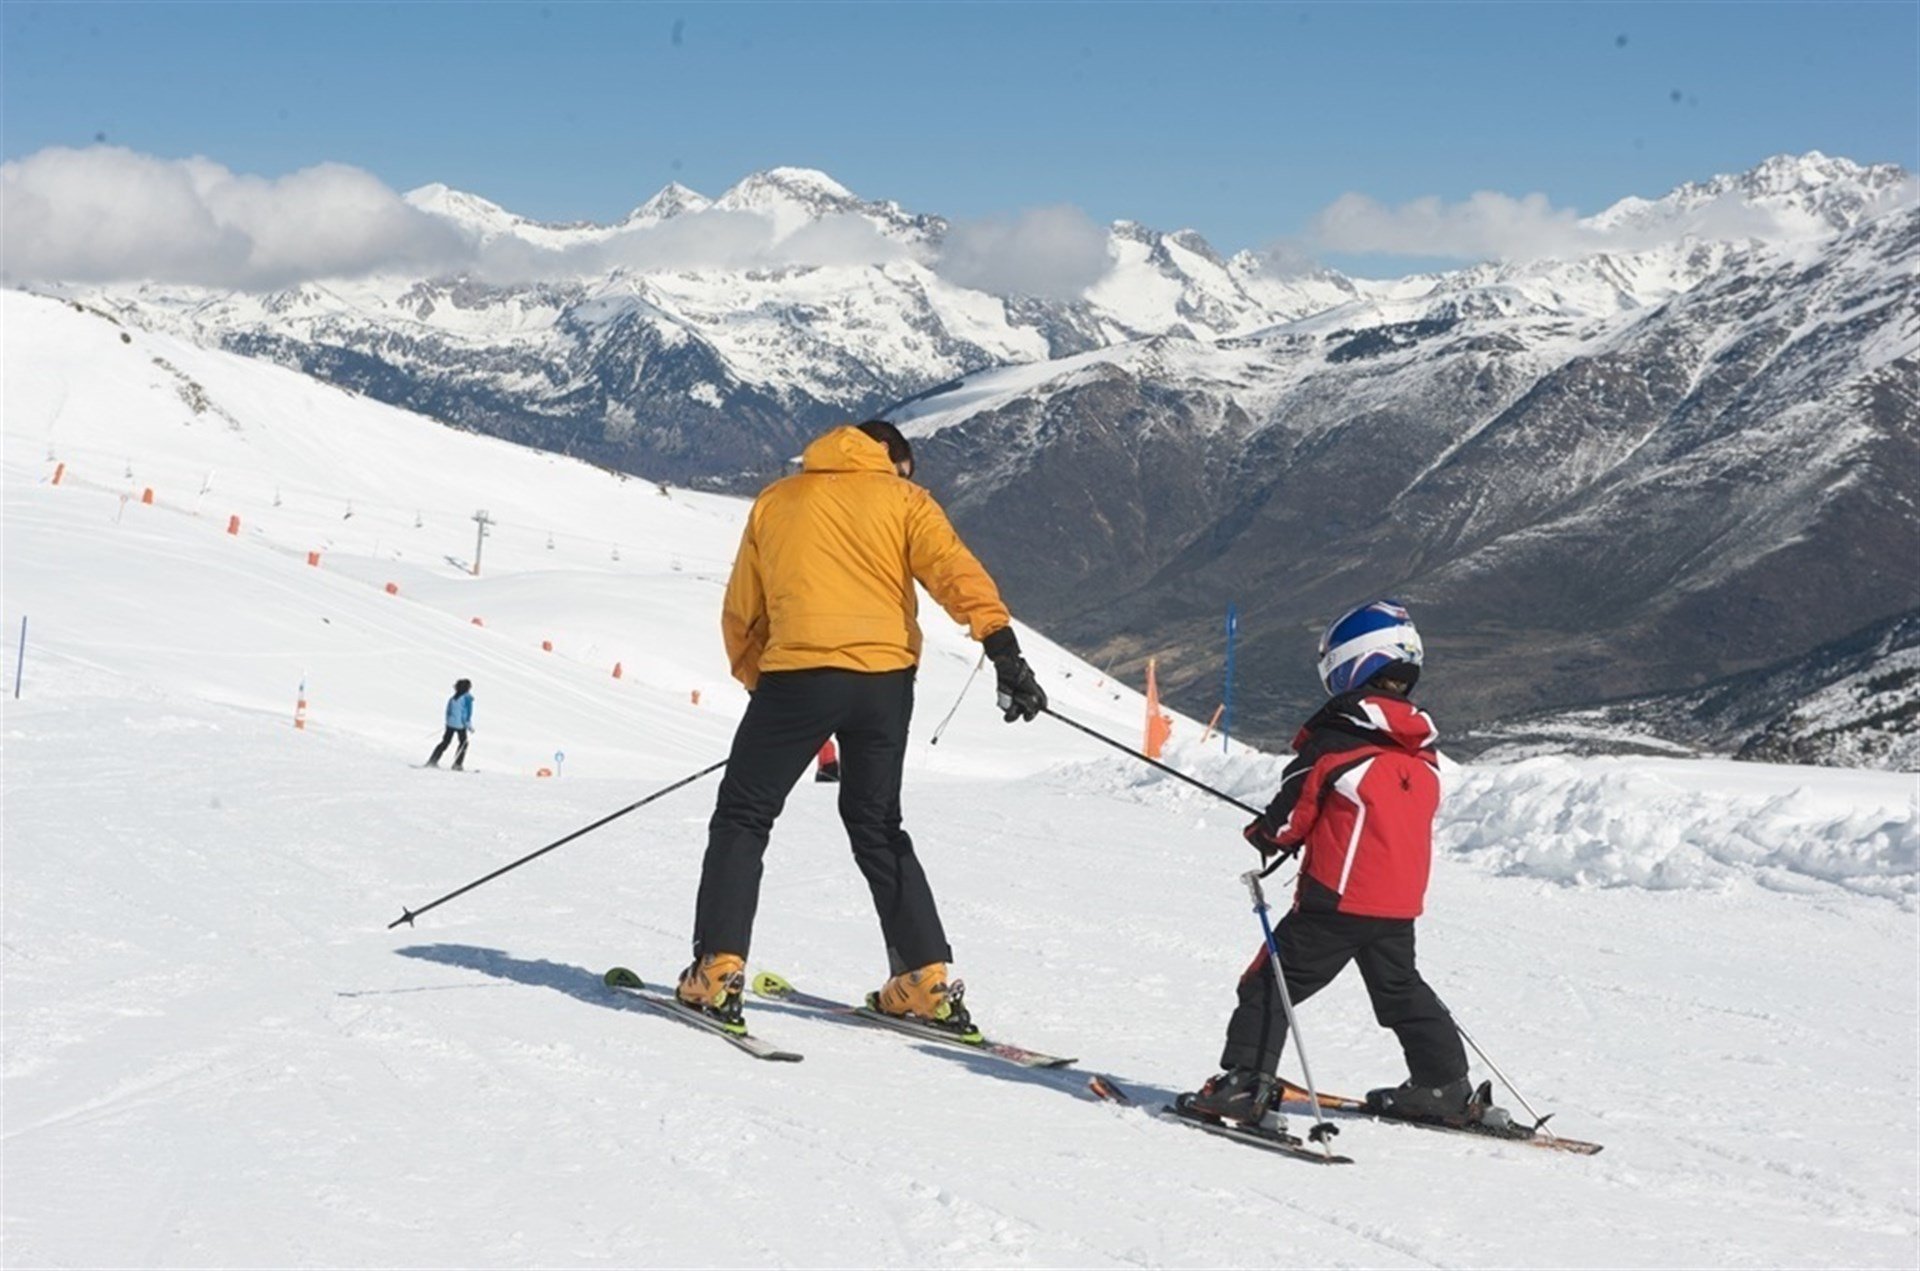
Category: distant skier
<point>459,724</point>
<point>826,767</point>
<point>1359,796</point>
<point>819,621</point>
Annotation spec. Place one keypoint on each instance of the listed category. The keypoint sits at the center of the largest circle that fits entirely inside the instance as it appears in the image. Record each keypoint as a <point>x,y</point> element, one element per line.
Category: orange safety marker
<point>616,670</point>
<point>59,470</point>
<point>146,496</point>
<point>300,709</point>
<point>546,646</point>
<point>1213,723</point>
<point>1159,726</point>
<point>313,558</point>
<point>543,772</point>
<point>696,697</point>
<point>393,589</point>
<point>233,525</point>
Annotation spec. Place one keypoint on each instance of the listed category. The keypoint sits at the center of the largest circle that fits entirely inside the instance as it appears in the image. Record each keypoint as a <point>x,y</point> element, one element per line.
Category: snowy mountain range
<point>1626,466</point>
<point>1582,509</point>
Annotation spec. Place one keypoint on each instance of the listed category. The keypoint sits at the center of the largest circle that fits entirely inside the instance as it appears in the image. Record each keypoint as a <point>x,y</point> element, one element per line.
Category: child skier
<point>1359,796</point>
<point>459,724</point>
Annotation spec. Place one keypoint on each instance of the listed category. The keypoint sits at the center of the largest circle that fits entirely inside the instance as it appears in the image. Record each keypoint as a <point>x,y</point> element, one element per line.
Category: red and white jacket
<point>1360,795</point>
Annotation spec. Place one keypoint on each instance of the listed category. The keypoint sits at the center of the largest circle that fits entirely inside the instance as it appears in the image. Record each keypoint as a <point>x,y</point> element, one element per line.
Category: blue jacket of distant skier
<point>460,711</point>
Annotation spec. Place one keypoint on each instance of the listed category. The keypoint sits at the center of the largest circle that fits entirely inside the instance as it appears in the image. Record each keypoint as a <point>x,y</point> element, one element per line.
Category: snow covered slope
<point>217,1054</point>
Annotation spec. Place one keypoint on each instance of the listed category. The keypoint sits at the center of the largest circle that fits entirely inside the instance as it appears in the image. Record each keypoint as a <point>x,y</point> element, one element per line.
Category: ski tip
<point>767,984</point>
<point>621,978</point>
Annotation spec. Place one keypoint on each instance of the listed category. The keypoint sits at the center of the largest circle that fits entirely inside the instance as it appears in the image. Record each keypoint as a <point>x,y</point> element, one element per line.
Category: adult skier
<point>819,622</point>
<point>1359,798</point>
<point>459,724</point>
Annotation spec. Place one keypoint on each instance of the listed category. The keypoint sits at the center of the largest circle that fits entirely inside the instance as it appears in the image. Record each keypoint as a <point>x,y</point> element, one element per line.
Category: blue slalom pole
<point>19,668</point>
<point>1226,704</point>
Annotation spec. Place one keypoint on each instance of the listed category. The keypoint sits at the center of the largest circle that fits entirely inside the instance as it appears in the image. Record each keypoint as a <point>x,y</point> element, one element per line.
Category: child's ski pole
<point>1539,1122</point>
<point>1323,1129</point>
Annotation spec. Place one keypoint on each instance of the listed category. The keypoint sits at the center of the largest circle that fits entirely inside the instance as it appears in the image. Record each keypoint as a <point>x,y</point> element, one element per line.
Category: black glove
<point>1017,692</point>
<point>1263,835</point>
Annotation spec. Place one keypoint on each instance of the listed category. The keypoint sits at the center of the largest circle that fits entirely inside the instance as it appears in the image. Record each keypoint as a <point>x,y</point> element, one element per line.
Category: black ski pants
<point>446,739</point>
<point>1314,948</point>
<point>791,714</point>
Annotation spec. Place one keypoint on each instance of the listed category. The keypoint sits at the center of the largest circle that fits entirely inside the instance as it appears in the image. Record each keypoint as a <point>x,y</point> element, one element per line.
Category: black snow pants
<point>446,739</point>
<point>791,715</point>
<point>1314,948</point>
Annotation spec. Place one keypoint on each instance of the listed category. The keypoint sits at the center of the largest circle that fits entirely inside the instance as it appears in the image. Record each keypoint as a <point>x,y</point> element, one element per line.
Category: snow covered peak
<point>780,188</point>
<point>795,197</point>
<point>468,211</point>
<point>673,200</point>
<point>1811,195</point>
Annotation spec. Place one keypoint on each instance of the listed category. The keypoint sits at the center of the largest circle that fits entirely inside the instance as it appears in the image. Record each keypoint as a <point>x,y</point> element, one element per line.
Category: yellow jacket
<point>826,568</point>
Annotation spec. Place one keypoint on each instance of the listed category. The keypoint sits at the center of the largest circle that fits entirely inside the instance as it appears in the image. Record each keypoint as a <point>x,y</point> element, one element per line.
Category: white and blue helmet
<point>1366,641</point>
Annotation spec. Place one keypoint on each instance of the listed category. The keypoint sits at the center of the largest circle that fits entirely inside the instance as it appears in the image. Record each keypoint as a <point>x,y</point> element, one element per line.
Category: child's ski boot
<point>1449,1104</point>
<point>1244,1096</point>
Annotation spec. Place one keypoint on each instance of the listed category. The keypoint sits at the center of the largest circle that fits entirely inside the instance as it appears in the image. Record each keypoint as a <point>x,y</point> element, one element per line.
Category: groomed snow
<point>217,1054</point>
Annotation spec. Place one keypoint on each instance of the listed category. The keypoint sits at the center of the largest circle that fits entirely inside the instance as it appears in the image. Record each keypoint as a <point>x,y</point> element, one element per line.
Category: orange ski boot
<point>928,997</point>
<point>714,985</point>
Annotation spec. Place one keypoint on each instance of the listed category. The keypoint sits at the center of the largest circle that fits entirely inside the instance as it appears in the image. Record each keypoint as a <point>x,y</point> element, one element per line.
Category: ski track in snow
<point>207,1020</point>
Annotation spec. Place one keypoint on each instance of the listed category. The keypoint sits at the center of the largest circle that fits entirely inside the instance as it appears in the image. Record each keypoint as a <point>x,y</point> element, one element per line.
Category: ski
<point>627,983</point>
<point>776,989</point>
<point>1512,1133</point>
<point>1277,1141</point>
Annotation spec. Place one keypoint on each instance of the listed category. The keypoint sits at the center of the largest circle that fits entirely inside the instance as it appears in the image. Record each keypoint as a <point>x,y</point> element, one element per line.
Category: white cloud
<point>106,213</point>
<point>710,240</point>
<point>1054,253</point>
<point>1486,226</point>
<point>1494,226</point>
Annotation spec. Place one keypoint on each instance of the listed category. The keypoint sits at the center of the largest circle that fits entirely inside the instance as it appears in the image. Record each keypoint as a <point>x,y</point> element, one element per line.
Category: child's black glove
<point>1263,836</point>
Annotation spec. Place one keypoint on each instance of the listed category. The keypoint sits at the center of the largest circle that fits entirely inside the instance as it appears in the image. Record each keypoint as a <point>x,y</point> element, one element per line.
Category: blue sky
<point>1241,120</point>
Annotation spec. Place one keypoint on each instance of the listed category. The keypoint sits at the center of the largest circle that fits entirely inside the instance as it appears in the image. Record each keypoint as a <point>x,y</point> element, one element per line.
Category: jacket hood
<point>1382,719</point>
<point>845,449</point>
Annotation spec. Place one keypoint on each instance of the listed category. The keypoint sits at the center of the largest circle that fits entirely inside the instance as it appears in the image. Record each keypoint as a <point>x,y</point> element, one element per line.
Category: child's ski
<point>624,981</point>
<point>1512,1132</point>
<point>777,989</point>
<point>1276,1141</point>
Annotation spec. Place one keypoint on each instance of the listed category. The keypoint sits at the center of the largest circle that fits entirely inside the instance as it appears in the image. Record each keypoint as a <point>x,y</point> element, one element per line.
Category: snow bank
<point>1655,823</point>
<point>1675,823</point>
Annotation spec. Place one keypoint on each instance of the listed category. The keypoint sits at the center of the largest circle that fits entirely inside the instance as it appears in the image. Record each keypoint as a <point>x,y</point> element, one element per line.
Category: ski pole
<point>1323,1129</point>
<point>1221,795</point>
<point>1539,1122</point>
<point>956,701</point>
<point>408,915</point>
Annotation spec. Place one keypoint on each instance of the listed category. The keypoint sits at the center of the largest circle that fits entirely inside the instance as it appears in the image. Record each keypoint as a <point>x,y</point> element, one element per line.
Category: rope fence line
<point>131,494</point>
<point>397,517</point>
